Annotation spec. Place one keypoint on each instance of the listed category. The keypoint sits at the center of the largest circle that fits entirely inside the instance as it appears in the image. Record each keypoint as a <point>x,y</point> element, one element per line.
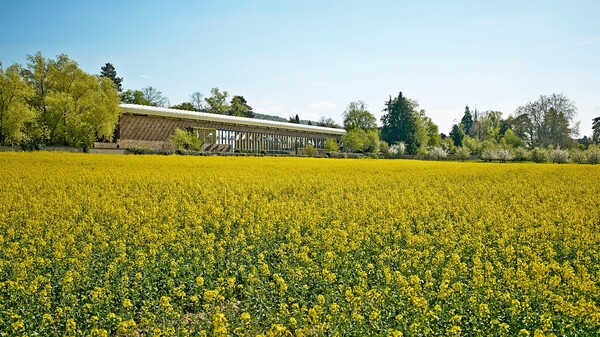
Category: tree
<point>559,156</point>
<point>400,122</point>
<point>108,70</point>
<point>371,141</point>
<point>593,154</point>
<point>184,106</point>
<point>384,147</point>
<point>438,153</point>
<point>356,116</point>
<point>353,140</point>
<point>183,140</point>
<point>331,145</point>
<point>488,126</point>
<point>239,107</point>
<point>428,132</point>
<point>549,121</point>
<point>457,134</point>
<point>15,112</point>
<point>155,97</point>
<point>75,108</point>
<point>36,73</point>
<point>310,150</point>
<point>463,153</point>
<point>217,102</point>
<point>596,129</point>
<point>197,100</point>
<point>295,119</point>
<point>134,97</point>
<point>397,149</point>
<point>467,121</point>
<point>327,122</point>
<point>511,138</point>
<point>359,140</point>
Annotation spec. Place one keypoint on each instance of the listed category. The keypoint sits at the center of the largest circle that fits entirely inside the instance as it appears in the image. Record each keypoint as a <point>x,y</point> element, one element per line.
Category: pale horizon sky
<point>312,58</point>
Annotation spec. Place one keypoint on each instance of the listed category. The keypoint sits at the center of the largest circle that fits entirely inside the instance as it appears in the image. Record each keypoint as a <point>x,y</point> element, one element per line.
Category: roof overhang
<point>136,109</point>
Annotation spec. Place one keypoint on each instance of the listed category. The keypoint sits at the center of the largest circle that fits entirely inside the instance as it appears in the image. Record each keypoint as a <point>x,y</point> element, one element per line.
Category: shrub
<point>422,152</point>
<point>371,141</point>
<point>539,155</point>
<point>183,140</point>
<point>310,150</point>
<point>593,155</point>
<point>521,154</point>
<point>489,155</point>
<point>504,155</point>
<point>147,150</point>
<point>578,156</point>
<point>463,153</point>
<point>331,145</point>
<point>384,147</point>
<point>397,149</point>
<point>475,145</point>
<point>559,156</point>
<point>438,153</point>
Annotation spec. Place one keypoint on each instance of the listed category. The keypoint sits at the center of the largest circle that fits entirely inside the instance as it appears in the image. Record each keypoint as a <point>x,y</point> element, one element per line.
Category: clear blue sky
<point>314,57</point>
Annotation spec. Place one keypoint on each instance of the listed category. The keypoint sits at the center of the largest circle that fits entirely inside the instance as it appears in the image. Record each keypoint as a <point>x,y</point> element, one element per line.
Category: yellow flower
<point>71,326</point>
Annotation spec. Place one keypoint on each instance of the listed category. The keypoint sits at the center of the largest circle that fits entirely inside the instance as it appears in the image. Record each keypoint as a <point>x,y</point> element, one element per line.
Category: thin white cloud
<point>145,76</point>
<point>323,105</point>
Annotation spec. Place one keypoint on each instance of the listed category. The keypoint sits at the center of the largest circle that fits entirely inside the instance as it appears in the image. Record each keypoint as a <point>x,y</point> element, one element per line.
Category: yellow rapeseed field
<point>95,245</point>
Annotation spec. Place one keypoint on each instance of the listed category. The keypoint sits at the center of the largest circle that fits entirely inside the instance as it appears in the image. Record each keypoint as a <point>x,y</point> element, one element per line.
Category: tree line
<point>54,102</point>
<point>548,122</point>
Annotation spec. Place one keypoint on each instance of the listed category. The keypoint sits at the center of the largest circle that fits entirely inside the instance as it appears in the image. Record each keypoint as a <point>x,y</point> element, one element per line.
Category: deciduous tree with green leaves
<point>353,140</point>
<point>217,102</point>
<point>239,107</point>
<point>548,121</point>
<point>134,97</point>
<point>184,140</point>
<point>15,112</point>
<point>75,108</point>
<point>331,145</point>
<point>356,116</point>
<point>184,106</point>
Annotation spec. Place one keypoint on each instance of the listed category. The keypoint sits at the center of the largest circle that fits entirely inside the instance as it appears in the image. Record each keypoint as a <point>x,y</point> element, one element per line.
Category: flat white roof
<point>202,116</point>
